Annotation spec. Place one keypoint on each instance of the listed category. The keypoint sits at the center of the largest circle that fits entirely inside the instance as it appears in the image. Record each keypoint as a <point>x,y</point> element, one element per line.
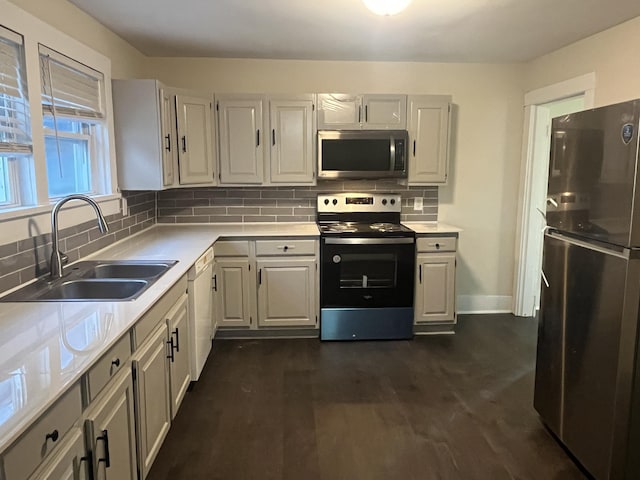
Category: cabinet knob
<point>285,248</point>
<point>116,362</point>
<point>438,246</point>
<point>53,436</point>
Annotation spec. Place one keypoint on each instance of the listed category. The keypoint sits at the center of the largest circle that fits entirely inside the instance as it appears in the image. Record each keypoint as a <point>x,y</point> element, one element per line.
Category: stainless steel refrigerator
<point>587,384</point>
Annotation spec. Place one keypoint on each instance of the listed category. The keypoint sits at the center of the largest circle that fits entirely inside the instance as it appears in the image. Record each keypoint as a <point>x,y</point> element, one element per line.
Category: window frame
<point>15,221</point>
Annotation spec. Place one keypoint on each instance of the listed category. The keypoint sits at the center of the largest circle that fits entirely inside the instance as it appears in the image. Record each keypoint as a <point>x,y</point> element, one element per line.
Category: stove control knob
<point>393,201</point>
<point>384,201</point>
<point>335,201</point>
<point>326,201</point>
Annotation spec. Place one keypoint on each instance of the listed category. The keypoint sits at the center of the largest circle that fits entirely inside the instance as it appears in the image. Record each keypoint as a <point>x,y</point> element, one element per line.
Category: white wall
<point>481,196</point>
<point>610,54</point>
<point>126,61</point>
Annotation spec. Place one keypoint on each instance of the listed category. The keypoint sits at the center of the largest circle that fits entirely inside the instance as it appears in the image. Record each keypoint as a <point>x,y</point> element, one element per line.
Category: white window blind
<point>70,88</point>
<point>15,131</point>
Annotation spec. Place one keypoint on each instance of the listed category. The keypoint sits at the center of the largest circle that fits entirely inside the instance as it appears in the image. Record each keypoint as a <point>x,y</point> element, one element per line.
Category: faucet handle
<point>64,258</point>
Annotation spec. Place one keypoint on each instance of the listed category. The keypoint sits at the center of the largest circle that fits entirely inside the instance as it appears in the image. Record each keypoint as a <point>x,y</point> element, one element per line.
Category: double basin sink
<point>99,280</point>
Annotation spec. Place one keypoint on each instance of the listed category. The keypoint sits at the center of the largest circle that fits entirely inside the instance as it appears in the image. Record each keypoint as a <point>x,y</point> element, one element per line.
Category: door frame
<point>524,303</point>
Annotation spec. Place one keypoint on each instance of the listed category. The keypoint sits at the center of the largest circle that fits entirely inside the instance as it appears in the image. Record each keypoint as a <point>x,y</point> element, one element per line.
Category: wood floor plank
<point>453,407</point>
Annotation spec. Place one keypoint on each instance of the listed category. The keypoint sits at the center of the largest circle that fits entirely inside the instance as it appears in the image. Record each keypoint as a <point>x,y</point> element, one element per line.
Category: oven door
<point>367,272</point>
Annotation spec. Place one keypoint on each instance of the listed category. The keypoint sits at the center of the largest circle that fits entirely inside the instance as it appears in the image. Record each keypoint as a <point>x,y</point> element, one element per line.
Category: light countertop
<point>431,227</point>
<point>45,347</point>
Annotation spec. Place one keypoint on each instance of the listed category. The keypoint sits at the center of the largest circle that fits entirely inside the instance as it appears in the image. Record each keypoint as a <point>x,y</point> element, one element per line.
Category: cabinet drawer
<point>285,247</point>
<point>38,442</point>
<point>436,244</point>
<point>111,363</point>
<point>156,314</point>
<point>231,248</point>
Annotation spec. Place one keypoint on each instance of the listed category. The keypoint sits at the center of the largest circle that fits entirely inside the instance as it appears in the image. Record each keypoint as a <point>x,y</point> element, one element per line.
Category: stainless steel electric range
<point>367,260</point>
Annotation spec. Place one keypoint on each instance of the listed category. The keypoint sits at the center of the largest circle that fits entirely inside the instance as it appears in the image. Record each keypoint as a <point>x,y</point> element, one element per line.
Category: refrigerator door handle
<point>623,253</point>
<point>552,201</point>
<point>544,278</point>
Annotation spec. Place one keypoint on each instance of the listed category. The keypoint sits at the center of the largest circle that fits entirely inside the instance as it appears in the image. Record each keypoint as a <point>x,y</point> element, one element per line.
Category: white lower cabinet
<point>179,355</point>
<point>286,292</point>
<point>152,394</point>
<point>435,280</point>
<point>275,280</point>
<point>70,462</point>
<point>110,431</point>
<point>234,290</point>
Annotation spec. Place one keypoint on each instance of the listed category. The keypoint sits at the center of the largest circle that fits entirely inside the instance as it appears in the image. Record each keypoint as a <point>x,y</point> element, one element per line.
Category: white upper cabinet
<point>292,141</point>
<point>241,139</point>
<point>168,134</point>
<point>164,137</point>
<point>429,122</point>
<point>340,111</point>
<point>385,112</point>
<point>266,140</point>
<point>195,148</point>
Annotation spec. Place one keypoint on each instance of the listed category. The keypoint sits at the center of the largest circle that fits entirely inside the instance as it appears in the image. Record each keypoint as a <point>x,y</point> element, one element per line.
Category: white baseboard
<point>484,304</point>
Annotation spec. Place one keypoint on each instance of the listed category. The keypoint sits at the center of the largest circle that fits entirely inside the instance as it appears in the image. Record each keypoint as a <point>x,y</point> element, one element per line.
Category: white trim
<point>569,88</point>
<point>13,225</point>
<point>30,222</point>
<point>583,85</point>
<point>483,304</point>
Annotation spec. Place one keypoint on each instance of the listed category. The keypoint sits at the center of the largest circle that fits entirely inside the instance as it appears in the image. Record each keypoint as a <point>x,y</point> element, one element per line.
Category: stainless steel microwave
<point>362,154</point>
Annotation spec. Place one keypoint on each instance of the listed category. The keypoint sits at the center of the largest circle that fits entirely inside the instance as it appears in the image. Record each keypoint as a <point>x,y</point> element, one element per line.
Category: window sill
<point>26,222</point>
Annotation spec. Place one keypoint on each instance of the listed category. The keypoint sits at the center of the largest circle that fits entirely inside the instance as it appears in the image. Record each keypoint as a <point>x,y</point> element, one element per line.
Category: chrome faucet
<point>56,255</point>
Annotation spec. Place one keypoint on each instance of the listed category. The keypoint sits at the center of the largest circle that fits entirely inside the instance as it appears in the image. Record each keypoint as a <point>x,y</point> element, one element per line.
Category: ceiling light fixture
<point>386,7</point>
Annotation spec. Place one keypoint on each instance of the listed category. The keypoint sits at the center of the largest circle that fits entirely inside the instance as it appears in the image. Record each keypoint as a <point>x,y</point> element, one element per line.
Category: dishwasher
<point>200,314</point>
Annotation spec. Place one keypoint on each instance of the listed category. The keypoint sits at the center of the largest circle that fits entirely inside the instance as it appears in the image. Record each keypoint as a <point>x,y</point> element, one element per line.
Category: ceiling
<point>429,30</point>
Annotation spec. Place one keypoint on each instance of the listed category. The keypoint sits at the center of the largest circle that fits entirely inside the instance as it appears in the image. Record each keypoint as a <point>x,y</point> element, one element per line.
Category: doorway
<point>540,107</point>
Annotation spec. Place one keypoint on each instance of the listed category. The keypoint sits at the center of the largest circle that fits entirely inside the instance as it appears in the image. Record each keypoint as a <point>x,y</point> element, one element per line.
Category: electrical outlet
<point>417,203</point>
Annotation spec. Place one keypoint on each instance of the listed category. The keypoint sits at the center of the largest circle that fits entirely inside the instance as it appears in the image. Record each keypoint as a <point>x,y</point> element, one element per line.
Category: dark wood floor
<point>438,407</point>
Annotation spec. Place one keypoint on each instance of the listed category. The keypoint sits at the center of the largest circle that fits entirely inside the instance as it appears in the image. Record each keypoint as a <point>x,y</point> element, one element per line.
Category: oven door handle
<point>369,241</point>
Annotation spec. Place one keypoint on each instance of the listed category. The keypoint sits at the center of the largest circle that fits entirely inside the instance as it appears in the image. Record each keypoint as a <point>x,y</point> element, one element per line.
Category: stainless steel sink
<point>128,270</point>
<point>100,280</point>
<point>86,290</point>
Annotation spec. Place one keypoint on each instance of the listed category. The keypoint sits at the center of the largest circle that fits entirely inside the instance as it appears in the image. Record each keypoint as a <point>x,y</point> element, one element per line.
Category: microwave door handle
<point>392,149</point>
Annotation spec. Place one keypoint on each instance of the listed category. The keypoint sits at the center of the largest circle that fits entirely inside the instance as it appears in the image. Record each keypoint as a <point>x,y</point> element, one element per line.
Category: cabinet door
<point>286,292</point>
<point>153,411</point>
<point>168,134</point>
<point>241,138</point>
<point>70,461</point>
<point>234,291</point>
<point>195,149</point>
<point>339,111</point>
<point>178,324</point>
<point>110,429</point>
<point>385,112</point>
<point>435,287</point>
<point>429,123</point>
<point>292,141</point>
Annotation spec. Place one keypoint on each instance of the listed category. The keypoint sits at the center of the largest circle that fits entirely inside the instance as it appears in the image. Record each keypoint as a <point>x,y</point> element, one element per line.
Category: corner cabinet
<point>266,284</point>
<point>429,125</point>
<point>234,288</point>
<point>435,280</point>
<point>164,137</point>
<point>343,111</point>
<point>266,140</point>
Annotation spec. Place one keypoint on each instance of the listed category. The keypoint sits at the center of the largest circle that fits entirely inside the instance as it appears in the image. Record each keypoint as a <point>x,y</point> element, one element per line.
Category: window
<point>15,129</point>
<point>73,106</point>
